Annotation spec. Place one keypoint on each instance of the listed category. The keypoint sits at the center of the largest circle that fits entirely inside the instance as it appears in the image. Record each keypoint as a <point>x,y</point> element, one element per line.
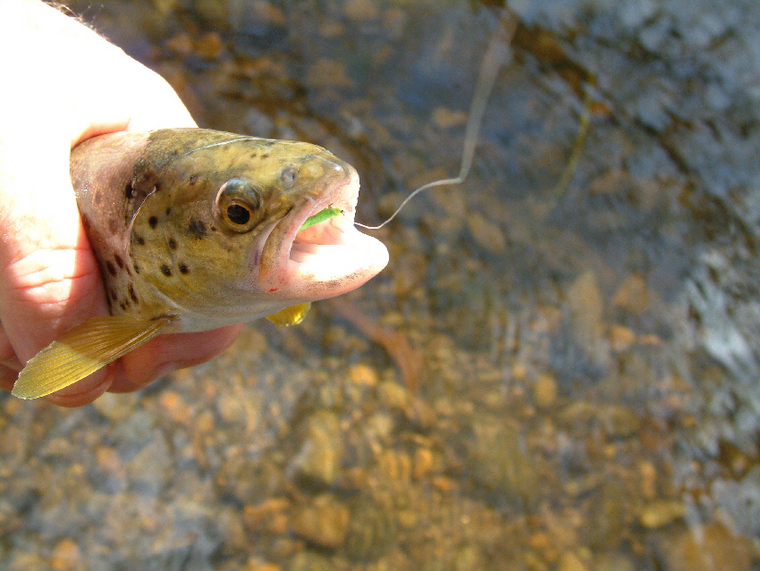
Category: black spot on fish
<point>183,269</point>
<point>137,268</point>
<point>265,156</point>
<point>119,261</point>
<point>153,222</point>
<point>139,239</point>
<point>166,271</point>
<point>111,268</point>
<point>168,210</point>
<point>193,179</point>
<point>123,305</point>
<point>114,294</point>
<point>172,243</point>
<point>197,228</point>
<point>132,293</point>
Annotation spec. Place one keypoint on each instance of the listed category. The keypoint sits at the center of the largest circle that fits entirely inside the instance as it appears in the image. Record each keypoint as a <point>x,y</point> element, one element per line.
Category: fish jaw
<point>324,260</point>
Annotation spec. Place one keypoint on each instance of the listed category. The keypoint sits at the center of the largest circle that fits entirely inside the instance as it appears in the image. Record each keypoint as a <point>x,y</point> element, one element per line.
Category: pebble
<point>361,10</point>
<point>498,459</point>
<point>322,521</point>
<point>661,513</point>
<point>310,561</point>
<point>116,406</point>
<point>487,234</point>
<point>584,299</point>
<point>633,295</point>
<point>569,561</point>
<point>66,556</point>
<point>422,463</point>
<point>372,531</point>
<point>362,374</point>
<point>713,548</point>
<point>545,390</point>
<point>151,469</point>
<point>392,395</point>
<point>446,118</point>
<point>319,457</point>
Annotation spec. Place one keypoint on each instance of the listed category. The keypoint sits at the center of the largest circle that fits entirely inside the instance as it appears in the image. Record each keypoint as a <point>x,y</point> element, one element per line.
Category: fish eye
<point>236,205</point>
<point>289,175</point>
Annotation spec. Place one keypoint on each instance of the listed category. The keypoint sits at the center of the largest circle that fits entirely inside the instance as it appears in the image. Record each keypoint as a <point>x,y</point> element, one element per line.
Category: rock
<point>633,295</point>
<point>446,118</point>
<point>66,556</point>
<point>619,421</point>
<point>151,469</point>
<point>361,374</point>
<point>361,10</point>
<point>584,300</point>
<point>487,234</point>
<point>422,463</point>
<point>571,562</point>
<point>661,513</point>
<point>372,531</point>
<point>310,561</point>
<point>116,407</point>
<point>231,408</point>
<point>714,548</point>
<point>545,390</point>
<point>499,460</point>
<point>392,395</point>
<point>318,460</point>
<point>322,521</point>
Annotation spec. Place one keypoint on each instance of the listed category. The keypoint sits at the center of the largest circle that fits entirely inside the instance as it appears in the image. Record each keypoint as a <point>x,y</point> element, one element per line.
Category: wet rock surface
<point>589,396</point>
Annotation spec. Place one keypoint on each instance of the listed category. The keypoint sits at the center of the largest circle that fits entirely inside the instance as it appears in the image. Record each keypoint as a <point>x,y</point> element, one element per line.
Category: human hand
<point>62,84</point>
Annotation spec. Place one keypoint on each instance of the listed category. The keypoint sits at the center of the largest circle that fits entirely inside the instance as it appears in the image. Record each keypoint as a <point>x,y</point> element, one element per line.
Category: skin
<point>71,84</point>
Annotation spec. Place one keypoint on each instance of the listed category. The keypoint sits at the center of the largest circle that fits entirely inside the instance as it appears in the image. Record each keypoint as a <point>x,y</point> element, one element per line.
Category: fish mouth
<point>327,259</point>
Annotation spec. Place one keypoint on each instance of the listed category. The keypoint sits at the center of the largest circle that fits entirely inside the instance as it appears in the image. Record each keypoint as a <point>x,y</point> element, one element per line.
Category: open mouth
<point>326,259</point>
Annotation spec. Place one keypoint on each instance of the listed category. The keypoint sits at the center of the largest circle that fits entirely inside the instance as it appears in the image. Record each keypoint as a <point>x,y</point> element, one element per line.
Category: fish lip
<point>278,240</point>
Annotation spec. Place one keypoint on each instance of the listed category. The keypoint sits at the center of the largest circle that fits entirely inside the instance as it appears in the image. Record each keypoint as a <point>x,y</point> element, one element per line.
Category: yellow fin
<point>83,350</point>
<point>292,315</point>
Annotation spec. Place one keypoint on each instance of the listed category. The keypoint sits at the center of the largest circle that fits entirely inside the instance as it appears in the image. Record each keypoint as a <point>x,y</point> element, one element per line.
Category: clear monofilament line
<point>497,55</point>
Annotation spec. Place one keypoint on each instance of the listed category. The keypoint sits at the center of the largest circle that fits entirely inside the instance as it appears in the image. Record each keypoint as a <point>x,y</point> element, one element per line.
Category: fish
<point>196,229</point>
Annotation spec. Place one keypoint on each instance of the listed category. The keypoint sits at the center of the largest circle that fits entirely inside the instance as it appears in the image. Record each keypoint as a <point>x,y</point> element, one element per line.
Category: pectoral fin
<point>83,350</point>
<point>292,315</point>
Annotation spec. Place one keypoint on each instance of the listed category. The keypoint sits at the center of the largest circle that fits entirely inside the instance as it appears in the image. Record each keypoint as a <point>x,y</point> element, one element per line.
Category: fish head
<point>219,233</point>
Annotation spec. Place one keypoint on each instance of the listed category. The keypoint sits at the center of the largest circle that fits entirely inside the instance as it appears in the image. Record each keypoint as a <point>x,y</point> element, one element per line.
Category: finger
<point>7,378</point>
<point>168,353</point>
<point>85,391</point>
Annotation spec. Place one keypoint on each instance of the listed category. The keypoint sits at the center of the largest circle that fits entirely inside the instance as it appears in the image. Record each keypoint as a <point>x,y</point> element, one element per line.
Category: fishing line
<point>497,54</point>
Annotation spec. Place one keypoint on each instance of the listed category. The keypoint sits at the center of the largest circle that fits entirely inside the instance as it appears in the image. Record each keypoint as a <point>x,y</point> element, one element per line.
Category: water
<point>580,385</point>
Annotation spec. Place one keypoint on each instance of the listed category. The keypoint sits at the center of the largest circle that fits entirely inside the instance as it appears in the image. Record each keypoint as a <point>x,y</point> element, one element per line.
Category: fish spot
<point>136,266</point>
<point>139,239</point>
<point>166,270</point>
<point>119,261</point>
<point>168,210</point>
<point>114,294</point>
<point>193,179</point>
<point>132,293</point>
<point>153,222</point>
<point>111,267</point>
<point>183,269</point>
<point>124,305</point>
<point>172,243</point>
<point>197,228</point>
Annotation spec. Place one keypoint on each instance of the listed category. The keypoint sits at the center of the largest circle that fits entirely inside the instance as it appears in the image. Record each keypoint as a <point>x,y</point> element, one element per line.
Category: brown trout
<point>197,229</point>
